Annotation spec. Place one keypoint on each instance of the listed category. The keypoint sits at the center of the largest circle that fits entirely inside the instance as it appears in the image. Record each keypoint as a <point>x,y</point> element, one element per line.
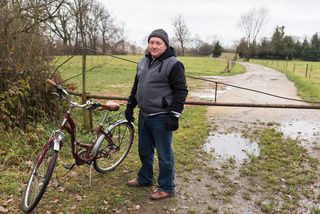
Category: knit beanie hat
<point>160,33</point>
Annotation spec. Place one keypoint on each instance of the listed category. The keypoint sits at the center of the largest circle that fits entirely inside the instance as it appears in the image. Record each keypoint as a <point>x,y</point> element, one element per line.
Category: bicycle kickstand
<point>90,175</point>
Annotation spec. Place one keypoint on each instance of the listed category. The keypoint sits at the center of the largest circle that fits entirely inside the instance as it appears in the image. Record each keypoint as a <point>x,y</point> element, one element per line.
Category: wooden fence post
<point>287,65</point>
<point>310,71</point>
<point>294,67</point>
<point>87,115</point>
<point>228,67</point>
<point>306,71</point>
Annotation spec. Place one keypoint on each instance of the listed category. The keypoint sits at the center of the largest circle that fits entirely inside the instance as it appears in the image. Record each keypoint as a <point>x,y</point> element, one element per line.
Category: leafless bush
<point>25,56</point>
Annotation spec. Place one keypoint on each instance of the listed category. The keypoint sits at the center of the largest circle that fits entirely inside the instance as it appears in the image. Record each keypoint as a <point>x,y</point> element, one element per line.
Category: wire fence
<point>309,70</point>
<point>111,76</point>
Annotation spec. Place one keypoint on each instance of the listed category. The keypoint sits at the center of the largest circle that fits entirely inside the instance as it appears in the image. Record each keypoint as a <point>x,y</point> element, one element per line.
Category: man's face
<point>156,47</point>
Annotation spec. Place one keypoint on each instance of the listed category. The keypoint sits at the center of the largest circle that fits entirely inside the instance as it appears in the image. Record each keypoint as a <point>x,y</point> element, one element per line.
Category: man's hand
<point>172,122</point>
<point>129,114</point>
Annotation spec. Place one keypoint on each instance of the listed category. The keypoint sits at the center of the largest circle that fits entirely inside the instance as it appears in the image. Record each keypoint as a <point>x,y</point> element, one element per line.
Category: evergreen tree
<point>264,49</point>
<point>277,43</point>
<point>310,53</point>
<point>305,44</point>
<point>288,47</point>
<point>315,41</point>
<point>297,50</point>
<point>217,50</point>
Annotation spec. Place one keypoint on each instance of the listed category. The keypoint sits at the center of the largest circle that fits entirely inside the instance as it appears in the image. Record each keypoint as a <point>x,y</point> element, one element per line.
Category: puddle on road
<point>213,77</point>
<point>230,145</point>
<point>209,93</point>
<point>305,131</point>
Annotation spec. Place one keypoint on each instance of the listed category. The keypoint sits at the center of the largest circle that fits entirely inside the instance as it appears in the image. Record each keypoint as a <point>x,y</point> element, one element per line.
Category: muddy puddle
<point>209,93</point>
<point>307,132</point>
<point>224,146</point>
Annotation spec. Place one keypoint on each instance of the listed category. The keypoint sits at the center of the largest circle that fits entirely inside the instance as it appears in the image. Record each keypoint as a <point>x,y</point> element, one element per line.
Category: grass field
<point>69,192</point>
<point>115,76</point>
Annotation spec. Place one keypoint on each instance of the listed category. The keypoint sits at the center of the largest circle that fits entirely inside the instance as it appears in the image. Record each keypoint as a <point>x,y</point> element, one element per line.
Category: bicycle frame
<point>71,129</point>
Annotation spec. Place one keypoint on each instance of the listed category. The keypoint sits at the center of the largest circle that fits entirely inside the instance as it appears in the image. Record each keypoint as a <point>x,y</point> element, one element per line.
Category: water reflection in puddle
<point>230,145</point>
<point>213,77</point>
<point>209,93</point>
<point>307,131</point>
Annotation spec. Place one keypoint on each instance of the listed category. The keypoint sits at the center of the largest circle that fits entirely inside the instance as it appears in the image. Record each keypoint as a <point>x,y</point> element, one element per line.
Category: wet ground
<point>296,123</point>
<point>194,195</point>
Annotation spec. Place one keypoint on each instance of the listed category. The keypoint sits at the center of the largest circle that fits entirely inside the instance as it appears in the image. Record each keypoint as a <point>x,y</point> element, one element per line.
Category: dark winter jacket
<point>160,85</point>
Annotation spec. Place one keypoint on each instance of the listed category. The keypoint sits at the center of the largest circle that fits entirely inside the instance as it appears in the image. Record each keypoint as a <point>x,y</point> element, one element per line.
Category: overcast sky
<point>213,18</point>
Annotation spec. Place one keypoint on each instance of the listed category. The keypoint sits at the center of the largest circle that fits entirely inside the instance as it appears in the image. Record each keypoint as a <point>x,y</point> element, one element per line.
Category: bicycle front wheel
<point>111,154</point>
<point>39,177</point>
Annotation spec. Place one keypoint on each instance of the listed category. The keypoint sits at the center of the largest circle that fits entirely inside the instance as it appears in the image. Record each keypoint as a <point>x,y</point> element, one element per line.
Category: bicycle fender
<point>56,145</point>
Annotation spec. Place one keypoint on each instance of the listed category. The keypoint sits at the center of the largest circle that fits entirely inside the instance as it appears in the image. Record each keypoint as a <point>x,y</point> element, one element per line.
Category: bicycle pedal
<point>66,166</point>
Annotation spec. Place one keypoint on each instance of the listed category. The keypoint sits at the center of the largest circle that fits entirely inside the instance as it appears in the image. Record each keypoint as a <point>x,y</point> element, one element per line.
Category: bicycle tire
<point>122,133</point>
<point>39,181</point>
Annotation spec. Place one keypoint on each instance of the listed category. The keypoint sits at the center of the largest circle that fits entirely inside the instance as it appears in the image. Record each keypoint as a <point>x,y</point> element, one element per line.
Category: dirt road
<point>266,80</point>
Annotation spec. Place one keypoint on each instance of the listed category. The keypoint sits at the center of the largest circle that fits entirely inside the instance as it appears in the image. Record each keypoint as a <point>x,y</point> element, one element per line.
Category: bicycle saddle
<point>110,105</point>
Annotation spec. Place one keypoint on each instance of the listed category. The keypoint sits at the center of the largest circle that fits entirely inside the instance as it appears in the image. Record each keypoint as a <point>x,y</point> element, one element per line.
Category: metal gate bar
<point>206,103</point>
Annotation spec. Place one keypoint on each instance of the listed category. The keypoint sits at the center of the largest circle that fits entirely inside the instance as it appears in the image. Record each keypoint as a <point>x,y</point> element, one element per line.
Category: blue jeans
<point>152,134</point>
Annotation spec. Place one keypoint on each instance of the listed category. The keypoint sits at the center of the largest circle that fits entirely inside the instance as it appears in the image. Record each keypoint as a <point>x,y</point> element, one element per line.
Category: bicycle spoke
<point>122,137</point>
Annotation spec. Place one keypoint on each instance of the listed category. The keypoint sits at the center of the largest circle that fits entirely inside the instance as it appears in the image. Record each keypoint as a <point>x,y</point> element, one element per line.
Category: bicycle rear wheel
<point>39,177</point>
<point>112,154</point>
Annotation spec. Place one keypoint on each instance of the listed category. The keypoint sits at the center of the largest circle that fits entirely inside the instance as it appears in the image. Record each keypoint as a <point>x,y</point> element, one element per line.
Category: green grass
<point>107,75</point>
<point>108,190</point>
<point>284,166</point>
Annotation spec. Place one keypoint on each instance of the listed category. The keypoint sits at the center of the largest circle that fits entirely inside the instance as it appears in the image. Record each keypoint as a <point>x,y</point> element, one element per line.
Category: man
<point>160,91</point>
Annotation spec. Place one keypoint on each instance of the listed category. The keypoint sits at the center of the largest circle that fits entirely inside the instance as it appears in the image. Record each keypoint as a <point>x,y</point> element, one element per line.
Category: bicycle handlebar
<point>110,105</point>
<point>51,82</point>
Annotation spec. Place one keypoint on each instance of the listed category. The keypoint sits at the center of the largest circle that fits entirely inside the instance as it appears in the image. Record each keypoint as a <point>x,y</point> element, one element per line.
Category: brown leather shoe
<point>135,183</point>
<point>161,195</point>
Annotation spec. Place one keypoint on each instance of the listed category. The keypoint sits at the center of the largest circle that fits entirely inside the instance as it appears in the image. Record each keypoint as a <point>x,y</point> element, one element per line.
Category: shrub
<point>25,57</point>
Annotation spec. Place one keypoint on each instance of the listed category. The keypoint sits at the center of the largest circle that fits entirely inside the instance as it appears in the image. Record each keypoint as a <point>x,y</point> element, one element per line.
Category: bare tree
<point>251,23</point>
<point>93,27</point>
<point>181,32</point>
<point>62,25</point>
<point>213,39</point>
<point>197,42</point>
<point>81,10</point>
<point>106,28</point>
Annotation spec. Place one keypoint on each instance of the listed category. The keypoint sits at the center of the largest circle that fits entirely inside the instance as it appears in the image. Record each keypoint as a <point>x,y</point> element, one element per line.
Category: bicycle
<point>108,149</point>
